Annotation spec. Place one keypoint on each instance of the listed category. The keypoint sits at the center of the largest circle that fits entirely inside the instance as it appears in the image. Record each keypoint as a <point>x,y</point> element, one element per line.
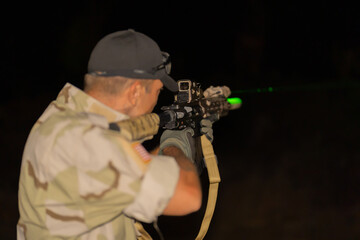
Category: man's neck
<point>118,103</point>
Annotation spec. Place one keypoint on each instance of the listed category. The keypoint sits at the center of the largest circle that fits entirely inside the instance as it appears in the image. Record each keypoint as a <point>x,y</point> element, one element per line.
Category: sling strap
<point>214,179</point>
<point>144,235</point>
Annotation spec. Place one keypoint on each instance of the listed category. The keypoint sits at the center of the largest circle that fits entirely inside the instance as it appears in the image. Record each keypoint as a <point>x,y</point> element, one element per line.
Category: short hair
<point>112,85</point>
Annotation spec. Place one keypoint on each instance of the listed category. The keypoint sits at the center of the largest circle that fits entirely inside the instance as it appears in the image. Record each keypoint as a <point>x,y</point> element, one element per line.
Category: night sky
<point>289,159</point>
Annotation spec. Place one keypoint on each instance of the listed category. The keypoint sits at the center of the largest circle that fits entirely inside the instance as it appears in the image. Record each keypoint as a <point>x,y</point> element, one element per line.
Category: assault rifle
<point>192,104</point>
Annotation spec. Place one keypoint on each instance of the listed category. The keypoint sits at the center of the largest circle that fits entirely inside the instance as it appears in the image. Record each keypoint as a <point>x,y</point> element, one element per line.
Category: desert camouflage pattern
<point>81,180</point>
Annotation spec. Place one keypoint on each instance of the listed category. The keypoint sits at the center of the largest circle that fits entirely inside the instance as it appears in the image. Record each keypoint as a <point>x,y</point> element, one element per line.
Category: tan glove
<point>182,139</point>
<point>206,129</point>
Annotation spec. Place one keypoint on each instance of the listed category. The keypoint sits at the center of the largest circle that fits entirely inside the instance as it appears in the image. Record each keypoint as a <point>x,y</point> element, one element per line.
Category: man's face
<point>148,99</point>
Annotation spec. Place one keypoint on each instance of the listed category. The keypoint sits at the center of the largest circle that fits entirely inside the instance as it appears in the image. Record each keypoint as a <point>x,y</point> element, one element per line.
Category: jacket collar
<point>77,100</point>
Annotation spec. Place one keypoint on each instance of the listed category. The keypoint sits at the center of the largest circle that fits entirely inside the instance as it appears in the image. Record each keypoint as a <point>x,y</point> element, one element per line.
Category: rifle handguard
<point>139,128</point>
<point>143,127</point>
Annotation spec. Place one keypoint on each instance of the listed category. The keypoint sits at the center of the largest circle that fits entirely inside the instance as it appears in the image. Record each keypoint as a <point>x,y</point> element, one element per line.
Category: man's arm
<point>187,196</point>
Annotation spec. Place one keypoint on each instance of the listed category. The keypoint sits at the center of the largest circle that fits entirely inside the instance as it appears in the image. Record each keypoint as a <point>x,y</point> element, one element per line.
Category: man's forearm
<point>187,197</point>
<point>183,162</point>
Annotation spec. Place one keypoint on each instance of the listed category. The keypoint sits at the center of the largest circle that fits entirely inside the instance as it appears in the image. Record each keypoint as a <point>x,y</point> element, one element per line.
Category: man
<point>81,180</point>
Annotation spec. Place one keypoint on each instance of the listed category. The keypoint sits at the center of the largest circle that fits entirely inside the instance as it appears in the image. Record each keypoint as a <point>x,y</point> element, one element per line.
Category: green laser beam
<point>234,100</point>
<point>304,87</point>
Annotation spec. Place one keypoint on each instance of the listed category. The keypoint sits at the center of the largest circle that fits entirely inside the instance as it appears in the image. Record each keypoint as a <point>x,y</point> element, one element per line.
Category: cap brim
<point>169,83</point>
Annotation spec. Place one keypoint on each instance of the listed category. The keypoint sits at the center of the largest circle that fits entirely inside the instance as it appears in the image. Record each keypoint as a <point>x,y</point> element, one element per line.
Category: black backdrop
<point>289,159</point>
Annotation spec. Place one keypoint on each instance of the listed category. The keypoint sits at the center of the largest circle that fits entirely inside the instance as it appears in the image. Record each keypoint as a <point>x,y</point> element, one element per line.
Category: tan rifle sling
<point>214,179</point>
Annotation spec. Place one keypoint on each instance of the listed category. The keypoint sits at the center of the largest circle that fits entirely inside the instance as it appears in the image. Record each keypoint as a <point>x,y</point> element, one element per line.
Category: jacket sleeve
<point>113,176</point>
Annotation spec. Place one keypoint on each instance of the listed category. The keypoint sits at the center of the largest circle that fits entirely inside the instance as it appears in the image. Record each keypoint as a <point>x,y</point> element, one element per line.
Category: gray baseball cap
<point>131,54</point>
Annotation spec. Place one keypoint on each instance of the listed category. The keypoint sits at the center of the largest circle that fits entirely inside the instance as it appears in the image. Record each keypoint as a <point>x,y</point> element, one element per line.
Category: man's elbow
<point>184,202</point>
<point>194,200</point>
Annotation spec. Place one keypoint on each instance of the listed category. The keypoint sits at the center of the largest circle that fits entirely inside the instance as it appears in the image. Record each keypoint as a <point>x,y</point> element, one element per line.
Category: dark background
<point>289,159</point>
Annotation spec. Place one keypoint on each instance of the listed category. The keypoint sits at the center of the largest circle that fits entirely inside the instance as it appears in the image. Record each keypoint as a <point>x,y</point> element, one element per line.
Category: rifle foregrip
<point>138,128</point>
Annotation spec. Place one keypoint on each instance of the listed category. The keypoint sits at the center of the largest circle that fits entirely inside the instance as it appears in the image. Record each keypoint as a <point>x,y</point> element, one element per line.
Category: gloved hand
<point>181,139</point>
<point>206,129</point>
<point>206,126</point>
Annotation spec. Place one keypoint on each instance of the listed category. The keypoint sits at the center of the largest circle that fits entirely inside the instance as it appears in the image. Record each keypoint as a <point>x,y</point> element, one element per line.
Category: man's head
<point>133,97</point>
<point>126,71</point>
<point>133,55</point>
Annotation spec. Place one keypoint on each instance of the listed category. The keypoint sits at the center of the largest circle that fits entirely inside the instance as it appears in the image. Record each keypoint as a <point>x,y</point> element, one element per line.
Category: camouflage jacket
<point>81,180</point>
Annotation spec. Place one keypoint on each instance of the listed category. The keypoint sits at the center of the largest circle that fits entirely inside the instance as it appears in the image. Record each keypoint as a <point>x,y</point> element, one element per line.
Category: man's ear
<point>134,92</point>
